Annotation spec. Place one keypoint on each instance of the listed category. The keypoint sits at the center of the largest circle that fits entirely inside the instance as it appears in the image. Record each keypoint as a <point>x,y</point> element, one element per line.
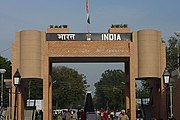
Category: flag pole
<point>88,20</point>
<point>88,29</point>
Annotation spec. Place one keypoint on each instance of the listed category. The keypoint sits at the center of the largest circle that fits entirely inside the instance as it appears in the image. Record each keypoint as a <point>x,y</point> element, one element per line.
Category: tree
<point>32,87</point>
<point>69,87</point>
<point>109,91</point>
<point>171,53</point>
<point>6,64</point>
<point>144,90</point>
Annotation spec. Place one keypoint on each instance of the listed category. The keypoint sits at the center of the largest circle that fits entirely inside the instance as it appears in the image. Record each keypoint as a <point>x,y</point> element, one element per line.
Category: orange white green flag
<point>87,10</point>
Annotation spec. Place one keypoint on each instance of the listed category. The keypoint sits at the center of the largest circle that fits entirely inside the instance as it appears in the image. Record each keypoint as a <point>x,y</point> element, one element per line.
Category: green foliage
<point>6,64</point>
<point>32,87</point>
<point>110,90</point>
<point>144,91</point>
<point>171,53</point>
<point>69,87</point>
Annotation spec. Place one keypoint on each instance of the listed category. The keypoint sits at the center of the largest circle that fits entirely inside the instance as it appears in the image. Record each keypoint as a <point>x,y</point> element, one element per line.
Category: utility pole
<point>2,71</point>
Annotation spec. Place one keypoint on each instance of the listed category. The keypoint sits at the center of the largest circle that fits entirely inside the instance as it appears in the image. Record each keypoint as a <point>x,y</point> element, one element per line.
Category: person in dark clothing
<point>79,114</point>
<point>39,115</point>
<point>83,117</point>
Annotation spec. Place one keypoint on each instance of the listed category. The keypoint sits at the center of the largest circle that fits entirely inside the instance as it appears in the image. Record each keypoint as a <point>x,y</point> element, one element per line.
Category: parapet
<point>119,28</point>
<point>58,29</point>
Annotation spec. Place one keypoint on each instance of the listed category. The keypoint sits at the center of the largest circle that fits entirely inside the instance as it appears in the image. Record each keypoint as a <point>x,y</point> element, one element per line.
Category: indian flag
<point>87,10</point>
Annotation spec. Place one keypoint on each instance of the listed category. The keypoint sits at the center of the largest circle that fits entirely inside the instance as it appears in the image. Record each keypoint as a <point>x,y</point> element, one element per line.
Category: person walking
<point>59,116</point>
<point>112,114</point>
<point>105,115</point>
<point>79,114</point>
<point>74,116</point>
<point>83,116</point>
<point>99,115</point>
<point>68,115</point>
<point>123,116</point>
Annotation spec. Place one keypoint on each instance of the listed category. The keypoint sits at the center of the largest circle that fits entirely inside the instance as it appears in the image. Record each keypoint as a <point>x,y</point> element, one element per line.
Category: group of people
<point>69,115</point>
<point>80,115</point>
<point>118,115</point>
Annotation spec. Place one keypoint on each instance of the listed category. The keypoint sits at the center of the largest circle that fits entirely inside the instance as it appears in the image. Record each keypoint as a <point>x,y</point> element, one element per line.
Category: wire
<point>5,50</point>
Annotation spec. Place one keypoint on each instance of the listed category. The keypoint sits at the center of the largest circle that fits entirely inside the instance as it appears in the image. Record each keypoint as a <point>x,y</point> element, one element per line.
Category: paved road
<point>115,119</point>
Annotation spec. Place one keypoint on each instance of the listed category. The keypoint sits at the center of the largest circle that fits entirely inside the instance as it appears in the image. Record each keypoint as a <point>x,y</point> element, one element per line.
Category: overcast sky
<point>17,15</point>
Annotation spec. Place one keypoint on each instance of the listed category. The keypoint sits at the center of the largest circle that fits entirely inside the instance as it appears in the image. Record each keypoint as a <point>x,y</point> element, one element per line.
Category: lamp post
<point>169,82</point>
<point>17,79</point>
<point>8,85</point>
<point>166,77</point>
<point>2,71</point>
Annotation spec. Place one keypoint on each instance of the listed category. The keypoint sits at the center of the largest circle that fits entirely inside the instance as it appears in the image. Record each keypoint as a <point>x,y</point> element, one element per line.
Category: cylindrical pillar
<point>30,53</point>
<point>149,53</point>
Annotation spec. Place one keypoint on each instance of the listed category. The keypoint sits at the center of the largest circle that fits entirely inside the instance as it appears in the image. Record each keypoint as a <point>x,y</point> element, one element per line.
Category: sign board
<point>37,103</point>
<point>90,36</point>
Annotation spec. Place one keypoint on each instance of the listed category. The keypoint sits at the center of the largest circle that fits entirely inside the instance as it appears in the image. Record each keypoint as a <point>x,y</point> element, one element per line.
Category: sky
<point>18,15</point>
<point>162,15</point>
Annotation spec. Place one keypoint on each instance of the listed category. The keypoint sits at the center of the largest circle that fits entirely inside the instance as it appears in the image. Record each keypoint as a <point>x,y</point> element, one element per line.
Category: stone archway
<point>143,52</point>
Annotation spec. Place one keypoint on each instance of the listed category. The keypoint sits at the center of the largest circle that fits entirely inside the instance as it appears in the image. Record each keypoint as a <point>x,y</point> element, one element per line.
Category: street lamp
<point>17,80</point>
<point>166,76</point>
<point>169,82</point>
<point>2,71</point>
